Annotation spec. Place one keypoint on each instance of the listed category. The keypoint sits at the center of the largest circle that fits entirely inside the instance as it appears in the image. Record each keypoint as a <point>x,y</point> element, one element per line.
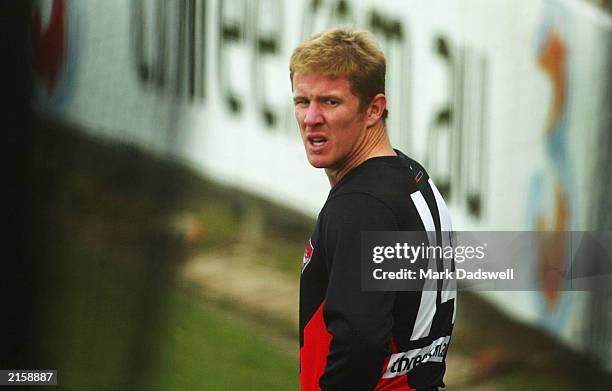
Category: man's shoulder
<point>377,176</point>
<point>415,170</point>
<point>381,189</point>
<point>387,179</point>
<point>357,209</point>
<point>354,202</point>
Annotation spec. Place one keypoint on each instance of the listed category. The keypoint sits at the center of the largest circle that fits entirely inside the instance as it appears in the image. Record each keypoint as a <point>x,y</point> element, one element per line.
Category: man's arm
<point>359,322</point>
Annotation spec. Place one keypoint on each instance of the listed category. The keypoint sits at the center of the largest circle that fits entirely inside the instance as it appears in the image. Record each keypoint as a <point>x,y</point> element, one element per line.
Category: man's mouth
<point>317,141</point>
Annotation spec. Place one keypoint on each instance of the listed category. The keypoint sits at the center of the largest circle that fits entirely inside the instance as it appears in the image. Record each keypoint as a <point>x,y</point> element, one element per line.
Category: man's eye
<point>331,102</point>
<point>300,102</point>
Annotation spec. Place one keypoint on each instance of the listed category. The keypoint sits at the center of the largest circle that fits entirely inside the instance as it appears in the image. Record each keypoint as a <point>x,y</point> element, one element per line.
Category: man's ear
<point>376,109</point>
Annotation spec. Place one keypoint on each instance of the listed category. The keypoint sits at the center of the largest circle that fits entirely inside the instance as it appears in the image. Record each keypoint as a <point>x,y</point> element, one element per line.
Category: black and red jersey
<point>351,339</point>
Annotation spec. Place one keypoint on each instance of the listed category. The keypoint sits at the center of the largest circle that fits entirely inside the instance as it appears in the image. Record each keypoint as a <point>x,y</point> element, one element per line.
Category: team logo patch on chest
<point>307,255</point>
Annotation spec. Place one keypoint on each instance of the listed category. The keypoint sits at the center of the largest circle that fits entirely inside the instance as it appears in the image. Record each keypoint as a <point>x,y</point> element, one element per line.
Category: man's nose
<point>313,115</point>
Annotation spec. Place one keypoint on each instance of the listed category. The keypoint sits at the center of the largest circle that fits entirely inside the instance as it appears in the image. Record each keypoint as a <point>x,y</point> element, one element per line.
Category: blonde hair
<point>344,52</point>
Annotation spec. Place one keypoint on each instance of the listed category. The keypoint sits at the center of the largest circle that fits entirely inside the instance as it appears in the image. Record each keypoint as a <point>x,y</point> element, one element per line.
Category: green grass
<point>531,381</point>
<point>99,338</point>
<point>205,350</point>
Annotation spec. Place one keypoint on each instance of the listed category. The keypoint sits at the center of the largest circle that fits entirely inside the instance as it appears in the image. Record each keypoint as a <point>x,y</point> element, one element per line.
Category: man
<point>351,339</point>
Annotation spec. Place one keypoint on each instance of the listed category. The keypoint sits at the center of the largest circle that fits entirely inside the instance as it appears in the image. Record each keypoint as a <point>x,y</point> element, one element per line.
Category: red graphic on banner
<point>551,253</point>
<point>49,45</point>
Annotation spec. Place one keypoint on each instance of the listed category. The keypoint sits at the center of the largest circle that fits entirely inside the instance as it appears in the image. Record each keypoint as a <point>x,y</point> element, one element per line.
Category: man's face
<point>331,125</point>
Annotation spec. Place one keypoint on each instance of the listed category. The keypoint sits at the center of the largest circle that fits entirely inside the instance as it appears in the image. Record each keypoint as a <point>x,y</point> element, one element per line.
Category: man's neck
<point>376,143</point>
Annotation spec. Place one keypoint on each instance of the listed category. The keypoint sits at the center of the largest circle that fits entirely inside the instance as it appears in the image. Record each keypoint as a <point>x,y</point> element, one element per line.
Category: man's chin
<point>317,162</point>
